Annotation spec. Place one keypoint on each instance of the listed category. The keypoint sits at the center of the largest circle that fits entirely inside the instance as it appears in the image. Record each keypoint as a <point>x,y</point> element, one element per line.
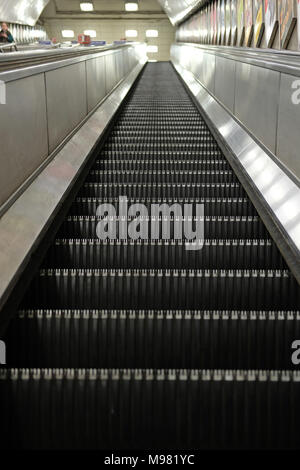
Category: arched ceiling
<point>21,11</point>
<point>177,10</point>
<point>28,11</point>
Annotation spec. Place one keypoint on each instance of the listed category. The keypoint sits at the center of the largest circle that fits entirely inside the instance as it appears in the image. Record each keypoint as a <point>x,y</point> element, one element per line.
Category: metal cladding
<point>177,10</point>
<point>22,11</point>
<point>127,343</point>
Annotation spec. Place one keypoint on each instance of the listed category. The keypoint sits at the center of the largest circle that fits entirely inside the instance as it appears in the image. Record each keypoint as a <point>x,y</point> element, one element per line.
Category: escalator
<point>143,344</point>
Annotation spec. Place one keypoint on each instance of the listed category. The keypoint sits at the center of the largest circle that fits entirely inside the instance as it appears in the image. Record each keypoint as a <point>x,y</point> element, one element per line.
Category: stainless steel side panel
<point>110,72</point>
<point>197,65</point>
<point>209,65</point>
<point>288,133</point>
<point>26,221</point>
<point>96,81</point>
<point>66,101</point>
<point>23,150</point>
<point>120,65</point>
<point>256,101</point>
<point>225,82</point>
<point>274,189</point>
<point>256,87</point>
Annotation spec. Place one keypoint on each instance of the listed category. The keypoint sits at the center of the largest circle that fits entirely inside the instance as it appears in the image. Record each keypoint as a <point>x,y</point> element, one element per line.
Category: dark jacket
<point>9,37</point>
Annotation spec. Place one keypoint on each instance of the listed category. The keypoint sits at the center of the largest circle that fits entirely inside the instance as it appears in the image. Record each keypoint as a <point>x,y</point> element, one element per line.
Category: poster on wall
<point>298,12</point>
<point>215,22</point>
<point>217,39</point>
<point>240,22</point>
<point>228,21</point>
<point>287,20</point>
<point>194,26</point>
<point>271,21</point>
<point>198,27</point>
<point>206,25</point>
<point>258,19</point>
<point>248,22</point>
<point>211,31</point>
<point>201,28</point>
<point>222,22</point>
<point>211,28</point>
<point>233,22</point>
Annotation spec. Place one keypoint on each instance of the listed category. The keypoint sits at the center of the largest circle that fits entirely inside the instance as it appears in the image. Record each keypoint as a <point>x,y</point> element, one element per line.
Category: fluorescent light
<point>152,49</point>
<point>152,33</point>
<point>67,33</point>
<point>130,6</point>
<point>131,33</point>
<point>90,32</point>
<point>86,6</point>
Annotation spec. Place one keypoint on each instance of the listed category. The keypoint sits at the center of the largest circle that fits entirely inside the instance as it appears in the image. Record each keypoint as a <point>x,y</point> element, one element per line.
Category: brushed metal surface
<point>22,11</point>
<point>288,135</point>
<point>256,101</point>
<point>177,10</point>
<point>209,66</point>
<point>110,69</point>
<point>196,64</point>
<point>268,115</point>
<point>96,85</point>
<point>119,65</point>
<point>282,61</point>
<point>23,132</point>
<point>66,101</point>
<point>225,81</point>
<point>278,193</point>
<point>81,55</point>
<point>67,96</point>
<point>27,220</point>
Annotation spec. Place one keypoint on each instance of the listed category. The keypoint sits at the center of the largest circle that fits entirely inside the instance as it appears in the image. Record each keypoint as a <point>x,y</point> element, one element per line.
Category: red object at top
<point>84,39</point>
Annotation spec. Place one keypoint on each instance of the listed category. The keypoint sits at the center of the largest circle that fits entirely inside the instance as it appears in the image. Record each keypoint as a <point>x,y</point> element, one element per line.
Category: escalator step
<point>144,344</point>
<point>165,155</point>
<point>146,409</point>
<point>214,227</point>
<point>173,177</point>
<point>164,194</point>
<point>163,289</point>
<point>138,165</point>
<point>153,339</point>
<point>206,190</point>
<point>161,254</point>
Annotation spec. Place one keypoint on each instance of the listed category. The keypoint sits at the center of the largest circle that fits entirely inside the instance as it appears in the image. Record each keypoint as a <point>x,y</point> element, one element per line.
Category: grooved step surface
<point>146,409</point>
<point>143,343</point>
<point>154,339</point>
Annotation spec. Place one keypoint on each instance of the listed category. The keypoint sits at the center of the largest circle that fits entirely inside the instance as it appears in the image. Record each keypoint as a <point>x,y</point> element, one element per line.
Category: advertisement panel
<point>298,8</point>
<point>211,14</point>
<point>218,21</point>
<point>228,21</point>
<point>233,22</point>
<point>222,22</point>
<point>206,25</point>
<point>258,19</point>
<point>240,22</point>
<point>215,22</point>
<point>287,20</point>
<point>271,21</point>
<point>248,22</point>
<point>197,27</point>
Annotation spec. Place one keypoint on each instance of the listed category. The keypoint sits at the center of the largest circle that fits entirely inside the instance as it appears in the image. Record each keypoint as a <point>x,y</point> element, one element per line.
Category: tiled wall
<point>27,34</point>
<point>247,23</point>
<point>114,29</point>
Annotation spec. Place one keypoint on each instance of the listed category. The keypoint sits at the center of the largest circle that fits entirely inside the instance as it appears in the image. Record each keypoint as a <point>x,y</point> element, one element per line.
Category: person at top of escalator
<point>5,34</point>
